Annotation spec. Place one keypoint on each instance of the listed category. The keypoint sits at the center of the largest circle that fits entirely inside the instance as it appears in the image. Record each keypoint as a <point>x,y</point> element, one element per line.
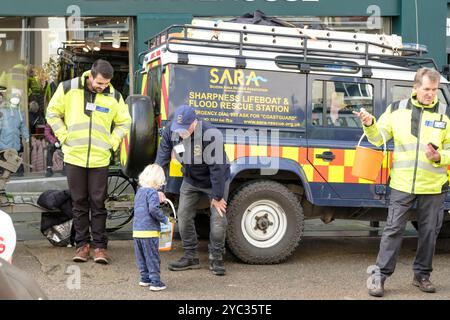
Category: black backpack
<point>57,226</point>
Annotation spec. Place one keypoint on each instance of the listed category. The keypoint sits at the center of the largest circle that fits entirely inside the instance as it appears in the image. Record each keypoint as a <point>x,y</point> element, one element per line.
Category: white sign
<point>7,236</point>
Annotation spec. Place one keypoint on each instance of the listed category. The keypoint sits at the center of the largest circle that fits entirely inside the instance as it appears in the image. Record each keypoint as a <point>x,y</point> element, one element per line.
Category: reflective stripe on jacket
<point>86,135</point>
<point>412,126</point>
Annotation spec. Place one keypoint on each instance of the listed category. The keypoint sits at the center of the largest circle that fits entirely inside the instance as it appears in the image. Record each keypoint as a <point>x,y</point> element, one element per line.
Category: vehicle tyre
<point>138,148</point>
<point>265,222</point>
<point>120,200</point>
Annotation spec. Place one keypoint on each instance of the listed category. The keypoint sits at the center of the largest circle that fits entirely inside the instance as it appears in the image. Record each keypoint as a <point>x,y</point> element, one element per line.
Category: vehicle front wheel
<point>265,222</point>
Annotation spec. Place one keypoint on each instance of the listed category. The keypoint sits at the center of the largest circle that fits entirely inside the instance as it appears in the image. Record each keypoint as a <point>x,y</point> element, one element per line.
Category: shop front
<point>37,54</point>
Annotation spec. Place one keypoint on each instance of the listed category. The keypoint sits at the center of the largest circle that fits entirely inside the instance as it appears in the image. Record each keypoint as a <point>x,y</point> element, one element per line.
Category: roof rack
<point>303,44</point>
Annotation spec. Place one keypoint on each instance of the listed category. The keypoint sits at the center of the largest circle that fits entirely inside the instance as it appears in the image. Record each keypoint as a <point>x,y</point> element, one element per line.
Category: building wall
<point>154,15</point>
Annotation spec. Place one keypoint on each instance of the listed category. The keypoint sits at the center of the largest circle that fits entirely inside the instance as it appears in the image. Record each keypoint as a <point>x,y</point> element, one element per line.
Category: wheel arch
<point>269,168</point>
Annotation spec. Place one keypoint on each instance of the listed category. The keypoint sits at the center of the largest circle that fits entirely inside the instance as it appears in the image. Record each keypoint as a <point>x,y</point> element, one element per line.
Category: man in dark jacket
<point>198,146</point>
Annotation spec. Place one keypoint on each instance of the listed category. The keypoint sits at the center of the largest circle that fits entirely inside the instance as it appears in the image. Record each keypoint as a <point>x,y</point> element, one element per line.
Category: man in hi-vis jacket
<point>81,113</point>
<point>421,132</point>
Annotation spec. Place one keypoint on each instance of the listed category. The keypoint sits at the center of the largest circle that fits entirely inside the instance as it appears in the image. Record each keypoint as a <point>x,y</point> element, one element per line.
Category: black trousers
<point>88,189</point>
<point>50,151</point>
<point>430,214</point>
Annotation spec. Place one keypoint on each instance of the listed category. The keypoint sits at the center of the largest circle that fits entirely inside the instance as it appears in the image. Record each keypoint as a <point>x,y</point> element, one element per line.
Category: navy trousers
<point>147,259</point>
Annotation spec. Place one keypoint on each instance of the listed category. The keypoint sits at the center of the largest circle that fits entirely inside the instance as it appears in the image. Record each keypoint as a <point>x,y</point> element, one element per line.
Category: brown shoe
<point>101,256</point>
<point>82,254</point>
<point>424,284</point>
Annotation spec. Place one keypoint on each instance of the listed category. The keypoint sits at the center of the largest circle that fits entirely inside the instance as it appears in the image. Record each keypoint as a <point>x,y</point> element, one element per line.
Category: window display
<point>39,53</point>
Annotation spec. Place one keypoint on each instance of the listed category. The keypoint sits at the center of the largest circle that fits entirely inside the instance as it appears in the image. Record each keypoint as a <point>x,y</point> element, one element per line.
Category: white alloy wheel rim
<point>264,223</point>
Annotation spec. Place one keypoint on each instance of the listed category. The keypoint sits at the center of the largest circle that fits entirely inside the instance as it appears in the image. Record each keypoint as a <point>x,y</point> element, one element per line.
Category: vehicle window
<point>333,103</point>
<point>154,87</point>
<point>404,92</point>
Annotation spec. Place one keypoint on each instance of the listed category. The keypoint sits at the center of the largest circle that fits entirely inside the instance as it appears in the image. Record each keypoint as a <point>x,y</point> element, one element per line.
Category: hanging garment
<point>37,154</point>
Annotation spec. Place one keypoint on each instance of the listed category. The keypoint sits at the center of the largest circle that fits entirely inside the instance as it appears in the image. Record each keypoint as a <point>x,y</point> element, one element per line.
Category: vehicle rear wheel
<point>120,200</point>
<point>265,222</point>
<point>138,148</point>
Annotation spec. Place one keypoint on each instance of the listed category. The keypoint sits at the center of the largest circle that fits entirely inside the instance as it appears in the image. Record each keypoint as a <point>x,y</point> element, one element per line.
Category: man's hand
<point>221,206</point>
<point>432,154</point>
<point>162,197</point>
<point>365,117</point>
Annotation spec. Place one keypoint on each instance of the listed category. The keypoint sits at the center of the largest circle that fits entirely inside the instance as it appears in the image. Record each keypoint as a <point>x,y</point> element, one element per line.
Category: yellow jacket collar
<point>418,104</point>
<point>84,76</point>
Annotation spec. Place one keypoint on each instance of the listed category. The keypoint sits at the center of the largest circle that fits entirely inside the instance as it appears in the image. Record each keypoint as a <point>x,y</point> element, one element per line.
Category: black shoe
<point>184,264</point>
<point>49,172</point>
<point>424,284</point>
<point>217,267</point>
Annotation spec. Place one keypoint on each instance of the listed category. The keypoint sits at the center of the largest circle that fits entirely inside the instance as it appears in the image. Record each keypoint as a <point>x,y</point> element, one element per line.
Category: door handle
<point>326,156</point>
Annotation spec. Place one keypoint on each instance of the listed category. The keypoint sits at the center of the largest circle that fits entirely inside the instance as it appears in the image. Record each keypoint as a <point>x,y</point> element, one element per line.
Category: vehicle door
<point>333,132</point>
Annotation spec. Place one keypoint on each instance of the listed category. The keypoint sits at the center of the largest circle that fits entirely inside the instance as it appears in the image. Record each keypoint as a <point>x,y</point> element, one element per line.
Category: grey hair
<point>431,73</point>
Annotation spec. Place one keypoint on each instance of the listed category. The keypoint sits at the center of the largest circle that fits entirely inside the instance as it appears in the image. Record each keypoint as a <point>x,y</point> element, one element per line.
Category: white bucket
<point>166,235</point>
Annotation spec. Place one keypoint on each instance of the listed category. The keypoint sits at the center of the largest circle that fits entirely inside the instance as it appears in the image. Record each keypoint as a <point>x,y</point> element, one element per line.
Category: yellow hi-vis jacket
<point>413,126</point>
<point>85,135</point>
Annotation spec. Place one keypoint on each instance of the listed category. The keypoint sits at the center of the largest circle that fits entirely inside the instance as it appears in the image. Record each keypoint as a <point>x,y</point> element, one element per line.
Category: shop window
<point>38,54</point>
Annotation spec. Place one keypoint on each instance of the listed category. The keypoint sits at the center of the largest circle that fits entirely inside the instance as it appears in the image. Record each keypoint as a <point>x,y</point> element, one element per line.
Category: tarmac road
<point>326,265</point>
<point>330,263</point>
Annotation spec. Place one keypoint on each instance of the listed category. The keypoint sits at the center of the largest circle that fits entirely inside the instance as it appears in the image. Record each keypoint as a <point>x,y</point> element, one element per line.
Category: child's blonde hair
<point>152,177</point>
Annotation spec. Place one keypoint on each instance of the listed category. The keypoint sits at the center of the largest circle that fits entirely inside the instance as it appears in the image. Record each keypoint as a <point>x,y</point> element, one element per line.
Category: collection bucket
<point>367,162</point>
<point>166,235</point>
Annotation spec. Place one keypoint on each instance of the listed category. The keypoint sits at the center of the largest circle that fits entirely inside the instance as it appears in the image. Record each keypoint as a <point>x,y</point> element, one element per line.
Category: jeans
<point>187,210</point>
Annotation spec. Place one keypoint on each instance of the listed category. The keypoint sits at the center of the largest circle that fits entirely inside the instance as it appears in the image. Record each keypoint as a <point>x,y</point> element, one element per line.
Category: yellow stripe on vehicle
<point>164,99</point>
<point>290,153</point>
<point>144,83</point>
<point>229,150</point>
<point>175,168</point>
<point>336,171</point>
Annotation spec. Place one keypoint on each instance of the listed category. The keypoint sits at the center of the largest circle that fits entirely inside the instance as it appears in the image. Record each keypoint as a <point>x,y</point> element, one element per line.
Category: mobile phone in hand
<point>435,147</point>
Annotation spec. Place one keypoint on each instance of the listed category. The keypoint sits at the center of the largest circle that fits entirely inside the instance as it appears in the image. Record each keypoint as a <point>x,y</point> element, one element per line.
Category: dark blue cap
<point>183,118</point>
